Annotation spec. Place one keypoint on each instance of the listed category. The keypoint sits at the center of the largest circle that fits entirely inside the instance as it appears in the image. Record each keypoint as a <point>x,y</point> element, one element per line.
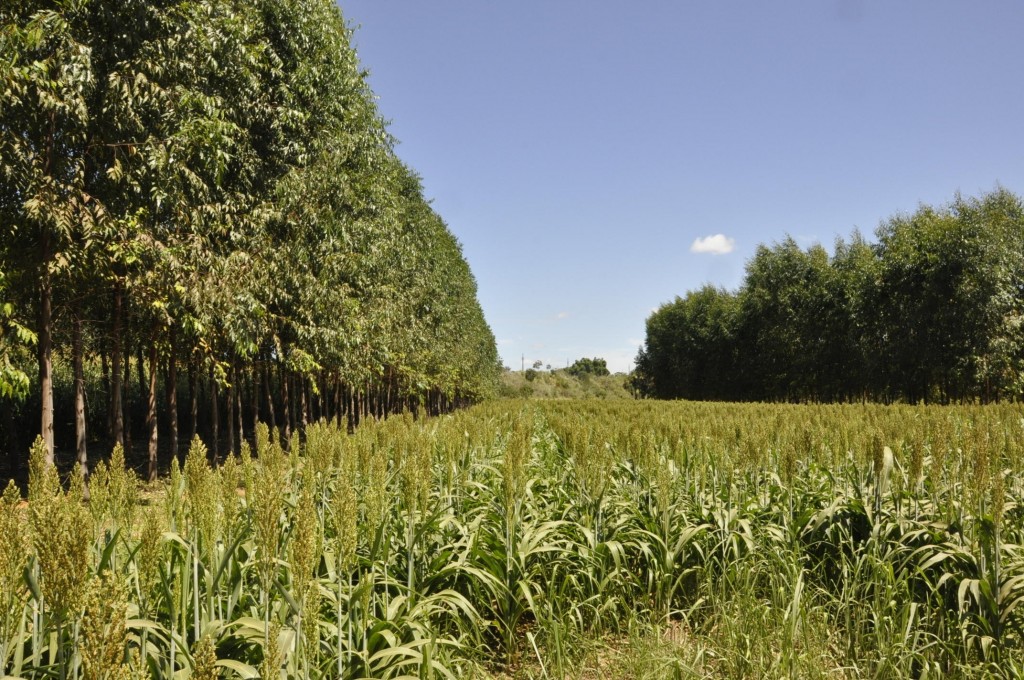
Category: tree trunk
<point>193,395</point>
<point>239,379</point>
<point>214,414</point>
<point>230,394</point>
<point>270,397</point>
<point>304,402</point>
<point>172,388</point>
<point>337,402</point>
<point>141,370</point>
<point>105,371</point>
<point>254,395</point>
<point>126,403</point>
<point>350,397</point>
<point>79,375</point>
<point>151,411</point>
<point>45,337</point>
<point>285,407</point>
<point>117,414</point>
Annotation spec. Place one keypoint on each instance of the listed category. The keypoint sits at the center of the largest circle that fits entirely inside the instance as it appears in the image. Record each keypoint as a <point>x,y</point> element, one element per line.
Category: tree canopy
<point>587,366</point>
<point>932,311</point>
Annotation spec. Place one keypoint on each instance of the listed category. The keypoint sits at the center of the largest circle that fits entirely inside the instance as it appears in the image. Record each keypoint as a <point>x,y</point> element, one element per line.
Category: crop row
<point>790,541</point>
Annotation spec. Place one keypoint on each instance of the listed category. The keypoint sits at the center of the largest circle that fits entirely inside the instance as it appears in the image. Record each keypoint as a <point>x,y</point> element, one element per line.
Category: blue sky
<point>580,148</point>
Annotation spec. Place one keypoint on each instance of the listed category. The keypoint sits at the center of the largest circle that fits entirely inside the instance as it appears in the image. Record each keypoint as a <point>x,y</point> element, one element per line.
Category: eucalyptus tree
<point>933,311</point>
<point>996,292</point>
<point>213,184</point>
<point>786,302</point>
<point>46,78</point>
<point>691,345</point>
<point>325,226</point>
<point>950,297</point>
<point>852,352</point>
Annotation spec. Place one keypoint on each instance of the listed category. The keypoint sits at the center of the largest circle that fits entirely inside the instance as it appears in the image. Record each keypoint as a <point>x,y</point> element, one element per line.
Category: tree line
<point>201,196</point>
<point>933,310</point>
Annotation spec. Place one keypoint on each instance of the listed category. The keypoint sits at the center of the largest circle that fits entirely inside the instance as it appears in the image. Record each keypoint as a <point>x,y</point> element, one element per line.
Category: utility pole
<point>523,367</point>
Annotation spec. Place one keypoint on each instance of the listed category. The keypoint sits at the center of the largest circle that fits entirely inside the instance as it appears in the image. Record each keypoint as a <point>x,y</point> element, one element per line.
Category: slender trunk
<point>270,397</point>
<point>141,369</point>
<point>239,377</point>
<point>193,396</point>
<point>45,338</point>
<point>117,415</point>
<point>315,401</point>
<point>350,407</point>
<point>254,395</point>
<point>304,402</point>
<point>151,411</point>
<point>214,413</point>
<point>293,410</point>
<point>76,352</point>
<point>230,394</point>
<point>126,402</point>
<point>337,401</point>
<point>286,406</point>
<point>105,371</point>
<point>172,388</point>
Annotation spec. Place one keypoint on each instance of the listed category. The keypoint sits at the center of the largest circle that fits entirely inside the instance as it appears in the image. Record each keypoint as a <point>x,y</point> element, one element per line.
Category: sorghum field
<point>543,539</point>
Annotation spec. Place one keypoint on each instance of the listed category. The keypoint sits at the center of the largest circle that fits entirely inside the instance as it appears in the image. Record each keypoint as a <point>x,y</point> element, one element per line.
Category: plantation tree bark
<point>172,388</point>
<point>304,402</point>
<point>270,397</point>
<point>105,378</point>
<point>46,345</point>
<point>193,395</point>
<point>337,402</point>
<point>126,402</point>
<point>229,393</point>
<point>215,416</point>
<point>115,370</point>
<point>254,396</point>
<point>79,377</point>
<point>285,406</point>
<point>141,369</point>
<point>151,422</point>
<point>238,404</point>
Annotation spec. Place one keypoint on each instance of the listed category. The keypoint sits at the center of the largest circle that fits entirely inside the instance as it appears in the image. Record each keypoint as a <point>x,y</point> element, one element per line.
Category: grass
<point>558,384</point>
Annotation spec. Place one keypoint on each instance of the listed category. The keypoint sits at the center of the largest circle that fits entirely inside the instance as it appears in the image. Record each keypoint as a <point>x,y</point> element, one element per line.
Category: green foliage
<point>560,384</point>
<point>15,339</point>
<point>585,366</point>
<point>221,170</point>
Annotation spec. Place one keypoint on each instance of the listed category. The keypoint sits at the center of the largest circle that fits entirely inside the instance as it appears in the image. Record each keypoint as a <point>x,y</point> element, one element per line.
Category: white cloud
<point>562,315</point>
<point>719,244</point>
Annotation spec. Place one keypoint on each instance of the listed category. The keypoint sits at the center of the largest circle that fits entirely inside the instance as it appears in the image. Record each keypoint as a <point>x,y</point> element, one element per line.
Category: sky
<point>596,159</point>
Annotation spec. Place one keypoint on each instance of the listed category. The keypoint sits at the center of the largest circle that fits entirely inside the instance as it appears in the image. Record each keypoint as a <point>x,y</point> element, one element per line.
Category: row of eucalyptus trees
<point>932,310</point>
<point>205,189</point>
